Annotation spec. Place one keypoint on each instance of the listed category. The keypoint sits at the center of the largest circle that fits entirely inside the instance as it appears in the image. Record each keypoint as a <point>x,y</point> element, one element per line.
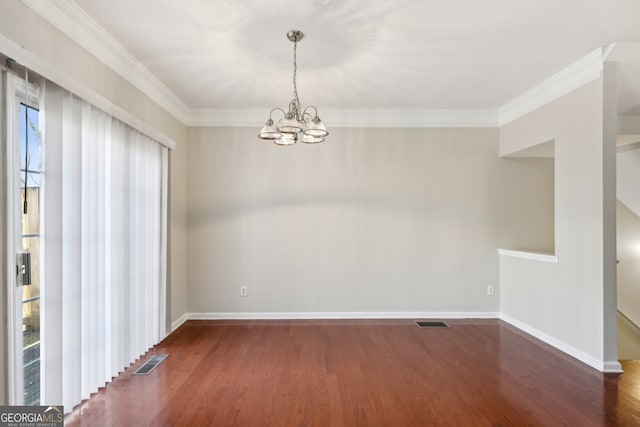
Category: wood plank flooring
<point>362,373</point>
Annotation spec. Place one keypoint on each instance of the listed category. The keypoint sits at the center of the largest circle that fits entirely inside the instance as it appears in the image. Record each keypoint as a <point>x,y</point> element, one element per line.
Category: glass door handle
<point>23,269</point>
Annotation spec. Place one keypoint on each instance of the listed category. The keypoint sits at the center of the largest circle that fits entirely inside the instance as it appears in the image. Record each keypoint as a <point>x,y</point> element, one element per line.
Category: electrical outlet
<point>490,290</point>
<point>243,291</point>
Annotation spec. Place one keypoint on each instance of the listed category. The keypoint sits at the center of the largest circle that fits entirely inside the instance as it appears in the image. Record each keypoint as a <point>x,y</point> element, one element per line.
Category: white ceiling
<point>363,54</point>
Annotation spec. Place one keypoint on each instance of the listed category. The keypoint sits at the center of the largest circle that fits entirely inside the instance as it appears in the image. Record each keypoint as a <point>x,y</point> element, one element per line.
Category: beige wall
<point>628,226</point>
<point>178,250</point>
<point>526,204</point>
<point>566,301</point>
<point>629,268</point>
<point>373,220</point>
<point>628,250</point>
<point>628,340</point>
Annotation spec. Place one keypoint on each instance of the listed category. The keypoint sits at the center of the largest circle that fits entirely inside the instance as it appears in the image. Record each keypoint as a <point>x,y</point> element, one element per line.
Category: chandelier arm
<point>314,109</point>
<point>277,109</point>
<point>306,117</point>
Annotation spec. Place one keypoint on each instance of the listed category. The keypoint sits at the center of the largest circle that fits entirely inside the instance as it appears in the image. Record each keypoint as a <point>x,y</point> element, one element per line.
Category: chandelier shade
<point>290,125</point>
<point>286,139</point>
<point>308,139</point>
<point>297,123</point>
<point>269,131</point>
<point>316,128</point>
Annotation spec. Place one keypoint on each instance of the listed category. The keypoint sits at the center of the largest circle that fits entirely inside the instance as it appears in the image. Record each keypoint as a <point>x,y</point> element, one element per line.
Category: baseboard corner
<point>179,321</point>
<point>612,367</point>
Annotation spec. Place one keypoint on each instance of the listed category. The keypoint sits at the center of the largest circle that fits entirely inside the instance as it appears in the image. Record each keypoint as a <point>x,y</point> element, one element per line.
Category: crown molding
<point>570,78</point>
<point>335,118</point>
<point>73,21</point>
<point>70,19</point>
<point>411,118</point>
<point>623,52</point>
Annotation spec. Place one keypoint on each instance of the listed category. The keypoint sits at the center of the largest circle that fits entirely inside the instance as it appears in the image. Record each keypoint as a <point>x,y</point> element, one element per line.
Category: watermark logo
<point>31,416</point>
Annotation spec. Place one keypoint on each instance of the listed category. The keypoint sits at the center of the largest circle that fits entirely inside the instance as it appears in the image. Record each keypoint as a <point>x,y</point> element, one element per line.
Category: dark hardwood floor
<point>362,373</point>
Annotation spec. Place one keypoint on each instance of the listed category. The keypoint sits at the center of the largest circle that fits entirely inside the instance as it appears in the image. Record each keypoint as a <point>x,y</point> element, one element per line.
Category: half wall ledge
<point>535,256</point>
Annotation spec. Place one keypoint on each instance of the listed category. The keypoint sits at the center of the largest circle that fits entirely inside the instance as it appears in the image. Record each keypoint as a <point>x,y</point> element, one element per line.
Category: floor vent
<point>432,324</point>
<point>150,364</point>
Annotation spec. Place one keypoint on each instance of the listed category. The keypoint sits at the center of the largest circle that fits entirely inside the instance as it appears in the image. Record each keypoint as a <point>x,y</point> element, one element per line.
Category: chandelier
<point>297,124</point>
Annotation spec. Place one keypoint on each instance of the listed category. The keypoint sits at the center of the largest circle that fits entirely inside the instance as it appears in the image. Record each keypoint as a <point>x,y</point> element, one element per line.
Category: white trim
<point>411,118</point>
<point>535,256</point>
<point>80,27</point>
<point>625,52</point>
<point>179,321</point>
<point>5,264</point>
<point>602,366</point>
<point>572,77</point>
<point>164,245</point>
<point>341,315</point>
<point>337,118</point>
<point>13,352</point>
<point>51,72</point>
<point>614,367</point>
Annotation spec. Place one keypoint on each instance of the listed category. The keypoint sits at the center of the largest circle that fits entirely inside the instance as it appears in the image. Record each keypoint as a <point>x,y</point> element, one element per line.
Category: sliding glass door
<point>87,280</point>
<point>24,167</point>
<point>30,184</point>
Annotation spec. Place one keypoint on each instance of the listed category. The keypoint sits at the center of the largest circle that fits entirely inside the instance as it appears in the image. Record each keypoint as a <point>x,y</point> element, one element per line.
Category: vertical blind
<point>104,229</point>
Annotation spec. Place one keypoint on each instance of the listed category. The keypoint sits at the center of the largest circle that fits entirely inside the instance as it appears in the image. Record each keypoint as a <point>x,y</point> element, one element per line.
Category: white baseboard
<point>602,366</point>
<point>175,325</point>
<point>612,367</point>
<point>342,315</point>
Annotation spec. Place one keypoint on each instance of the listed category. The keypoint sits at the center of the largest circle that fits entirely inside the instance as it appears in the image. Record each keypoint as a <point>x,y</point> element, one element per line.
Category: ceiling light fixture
<point>297,123</point>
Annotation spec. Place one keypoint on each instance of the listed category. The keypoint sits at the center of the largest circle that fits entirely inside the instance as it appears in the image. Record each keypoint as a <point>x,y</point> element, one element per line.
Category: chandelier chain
<point>295,73</point>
